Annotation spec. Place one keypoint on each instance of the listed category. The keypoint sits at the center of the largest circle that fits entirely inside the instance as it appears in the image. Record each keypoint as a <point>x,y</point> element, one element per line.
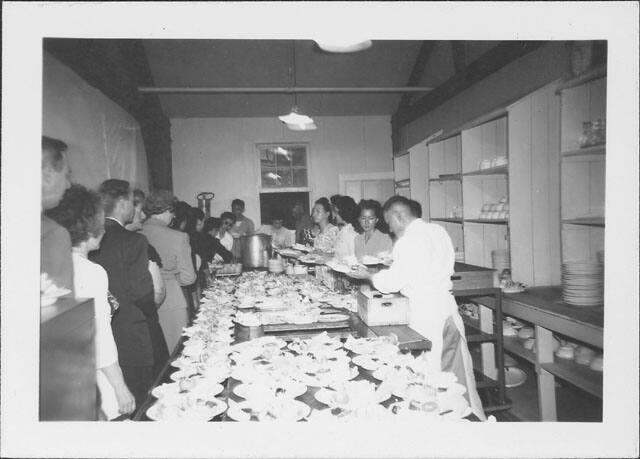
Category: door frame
<point>343,178</point>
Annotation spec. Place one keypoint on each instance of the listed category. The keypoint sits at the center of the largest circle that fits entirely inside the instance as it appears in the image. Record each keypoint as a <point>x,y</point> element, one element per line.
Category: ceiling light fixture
<point>294,120</point>
<point>344,45</point>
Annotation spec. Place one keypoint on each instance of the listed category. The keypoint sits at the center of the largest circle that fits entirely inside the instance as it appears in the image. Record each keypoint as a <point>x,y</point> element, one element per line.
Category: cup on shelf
<point>486,207</point>
<point>485,164</point>
<point>494,162</point>
<point>501,161</point>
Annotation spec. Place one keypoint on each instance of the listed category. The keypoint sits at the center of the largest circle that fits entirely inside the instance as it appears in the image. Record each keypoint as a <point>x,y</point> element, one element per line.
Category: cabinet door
<point>534,190</point>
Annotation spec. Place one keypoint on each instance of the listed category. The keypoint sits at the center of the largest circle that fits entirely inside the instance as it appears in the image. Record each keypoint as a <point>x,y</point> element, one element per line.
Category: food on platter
<point>274,409</point>
<point>187,408</point>
<point>379,346</point>
<point>352,395</point>
<point>201,387</point>
<point>270,388</point>
<point>303,248</point>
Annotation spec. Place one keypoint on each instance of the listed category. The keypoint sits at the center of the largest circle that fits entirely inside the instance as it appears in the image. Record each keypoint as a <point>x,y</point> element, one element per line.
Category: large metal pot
<point>256,250</point>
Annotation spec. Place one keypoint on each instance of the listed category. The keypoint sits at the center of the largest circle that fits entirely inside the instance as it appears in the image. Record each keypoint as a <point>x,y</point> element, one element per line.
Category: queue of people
<point>141,258</point>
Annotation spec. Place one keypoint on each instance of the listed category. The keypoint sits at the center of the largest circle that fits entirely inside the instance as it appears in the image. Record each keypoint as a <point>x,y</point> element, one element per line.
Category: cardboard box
<point>375,308</point>
<point>468,277</point>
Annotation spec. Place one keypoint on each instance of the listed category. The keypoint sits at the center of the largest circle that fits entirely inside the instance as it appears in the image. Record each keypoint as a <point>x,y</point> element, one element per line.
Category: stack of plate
<point>583,283</point>
<point>500,260</point>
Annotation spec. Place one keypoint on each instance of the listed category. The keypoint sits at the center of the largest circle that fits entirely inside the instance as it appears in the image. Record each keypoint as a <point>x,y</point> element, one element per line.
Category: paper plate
<point>294,410</point>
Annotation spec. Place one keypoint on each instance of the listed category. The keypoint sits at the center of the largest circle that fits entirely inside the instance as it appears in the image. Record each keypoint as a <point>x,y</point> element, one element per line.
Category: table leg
<point>487,349</point>
<point>546,381</point>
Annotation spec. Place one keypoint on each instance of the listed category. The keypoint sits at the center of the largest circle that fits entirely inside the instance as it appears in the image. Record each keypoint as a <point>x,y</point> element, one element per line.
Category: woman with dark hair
<point>80,212</point>
<point>346,217</point>
<point>207,245</point>
<point>177,268</point>
<point>180,216</point>
<point>281,237</point>
<point>371,241</point>
<point>325,240</point>
<point>226,239</point>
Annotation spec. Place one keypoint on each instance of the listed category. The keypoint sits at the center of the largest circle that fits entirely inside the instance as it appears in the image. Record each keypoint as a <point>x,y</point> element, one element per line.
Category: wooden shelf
<point>594,150</point>
<point>446,220</point>
<point>586,221</point>
<point>579,375</point>
<point>497,221</point>
<point>498,170</point>
<point>590,75</point>
<point>446,178</point>
<point>514,345</point>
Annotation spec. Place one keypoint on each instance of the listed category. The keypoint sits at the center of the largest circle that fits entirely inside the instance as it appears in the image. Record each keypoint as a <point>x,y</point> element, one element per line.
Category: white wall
<point>219,155</point>
<point>104,140</point>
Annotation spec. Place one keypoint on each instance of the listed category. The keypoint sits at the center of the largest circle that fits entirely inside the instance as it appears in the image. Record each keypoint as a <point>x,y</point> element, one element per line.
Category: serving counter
<point>408,345</point>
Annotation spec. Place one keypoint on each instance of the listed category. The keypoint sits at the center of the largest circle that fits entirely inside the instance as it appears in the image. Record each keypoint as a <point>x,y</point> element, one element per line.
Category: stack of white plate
<point>583,283</point>
<point>500,260</point>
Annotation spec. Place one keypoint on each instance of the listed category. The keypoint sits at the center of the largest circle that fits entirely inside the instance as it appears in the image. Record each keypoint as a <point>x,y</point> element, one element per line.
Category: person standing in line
<point>302,221</point>
<point>124,255</point>
<point>177,268</point>
<point>80,212</point>
<point>55,245</point>
<point>226,239</point>
<point>243,226</point>
<point>324,241</point>
<point>372,242</point>
<point>160,349</point>
<point>346,214</point>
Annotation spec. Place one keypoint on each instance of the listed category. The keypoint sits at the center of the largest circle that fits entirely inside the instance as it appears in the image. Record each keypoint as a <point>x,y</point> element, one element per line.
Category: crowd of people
<point>143,258</point>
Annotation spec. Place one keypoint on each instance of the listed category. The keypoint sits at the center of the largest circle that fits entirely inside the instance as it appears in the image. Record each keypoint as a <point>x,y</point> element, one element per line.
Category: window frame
<point>292,189</point>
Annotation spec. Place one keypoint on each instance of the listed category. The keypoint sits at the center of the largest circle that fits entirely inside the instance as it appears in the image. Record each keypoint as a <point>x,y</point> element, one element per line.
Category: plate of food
<point>263,391</point>
<point>302,248</point>
<point>352,395</point>
<point>275,409</point>
<point>186,409</point>
<point>510,286</point>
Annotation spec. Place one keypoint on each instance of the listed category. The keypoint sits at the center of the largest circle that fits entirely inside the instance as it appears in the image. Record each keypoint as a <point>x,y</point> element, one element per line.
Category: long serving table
<point>408,340</point>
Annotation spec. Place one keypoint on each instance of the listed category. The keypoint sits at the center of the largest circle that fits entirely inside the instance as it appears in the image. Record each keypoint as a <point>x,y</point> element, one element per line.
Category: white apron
<point>429,320</point>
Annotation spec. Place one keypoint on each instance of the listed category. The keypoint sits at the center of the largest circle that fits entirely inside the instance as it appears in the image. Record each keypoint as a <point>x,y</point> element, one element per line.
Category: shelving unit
<point>444,187</point>
<point>401,175</point>
<point>542,306</point>
<point>582,170</point>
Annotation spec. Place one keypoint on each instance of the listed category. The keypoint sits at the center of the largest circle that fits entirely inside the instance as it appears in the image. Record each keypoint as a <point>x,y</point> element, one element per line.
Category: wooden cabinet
<point>68,390</point>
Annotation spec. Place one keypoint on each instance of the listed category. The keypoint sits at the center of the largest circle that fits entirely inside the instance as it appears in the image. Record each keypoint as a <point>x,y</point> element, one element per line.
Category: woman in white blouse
<point>325,240</point>
<point>80,212</point>
<point>346,217</point>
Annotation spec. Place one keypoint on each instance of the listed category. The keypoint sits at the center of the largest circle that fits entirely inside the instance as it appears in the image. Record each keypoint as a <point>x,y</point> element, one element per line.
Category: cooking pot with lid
<point>256,250</point>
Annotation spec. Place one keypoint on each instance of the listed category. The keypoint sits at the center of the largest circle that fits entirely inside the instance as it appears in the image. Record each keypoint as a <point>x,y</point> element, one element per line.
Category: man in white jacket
<point>423,259</point>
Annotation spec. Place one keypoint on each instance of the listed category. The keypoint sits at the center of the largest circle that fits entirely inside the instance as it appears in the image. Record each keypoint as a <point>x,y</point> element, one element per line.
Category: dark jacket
<point>207,246</point>
<point>124,255</point>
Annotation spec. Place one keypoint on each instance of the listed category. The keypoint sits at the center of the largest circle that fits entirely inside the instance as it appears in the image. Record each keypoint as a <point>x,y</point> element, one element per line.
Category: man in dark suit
<point>123,254</point>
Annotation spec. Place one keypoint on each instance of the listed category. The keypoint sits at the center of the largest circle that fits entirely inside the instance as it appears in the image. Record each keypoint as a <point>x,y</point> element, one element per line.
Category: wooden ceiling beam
<point>459,55</point>
<point>424,54</point>
<point>491,61</point>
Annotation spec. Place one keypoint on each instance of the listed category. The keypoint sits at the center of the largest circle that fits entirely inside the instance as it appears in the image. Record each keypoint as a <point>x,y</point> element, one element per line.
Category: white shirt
<point>423,260</point>
<point>90,281</point>
<point>227,241</point>
<point>281,237</point>
<point>345,242</point>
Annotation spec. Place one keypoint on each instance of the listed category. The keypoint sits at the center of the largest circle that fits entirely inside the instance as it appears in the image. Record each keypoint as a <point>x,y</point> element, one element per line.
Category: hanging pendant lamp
<point>295,120</point>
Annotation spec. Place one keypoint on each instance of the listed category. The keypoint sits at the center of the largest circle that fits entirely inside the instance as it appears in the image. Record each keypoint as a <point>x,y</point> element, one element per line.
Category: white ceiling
<point>266,63</point>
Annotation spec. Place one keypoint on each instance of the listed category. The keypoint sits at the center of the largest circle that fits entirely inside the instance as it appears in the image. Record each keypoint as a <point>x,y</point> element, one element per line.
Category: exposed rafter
<point>490,62</point>
<point>458,52</point>
<point>418,70</point>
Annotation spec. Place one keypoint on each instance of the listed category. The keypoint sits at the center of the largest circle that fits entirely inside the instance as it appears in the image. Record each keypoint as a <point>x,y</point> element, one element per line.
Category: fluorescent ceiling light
<point>302,127</point>
<point>345,45</point>
<point>294,117</point>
